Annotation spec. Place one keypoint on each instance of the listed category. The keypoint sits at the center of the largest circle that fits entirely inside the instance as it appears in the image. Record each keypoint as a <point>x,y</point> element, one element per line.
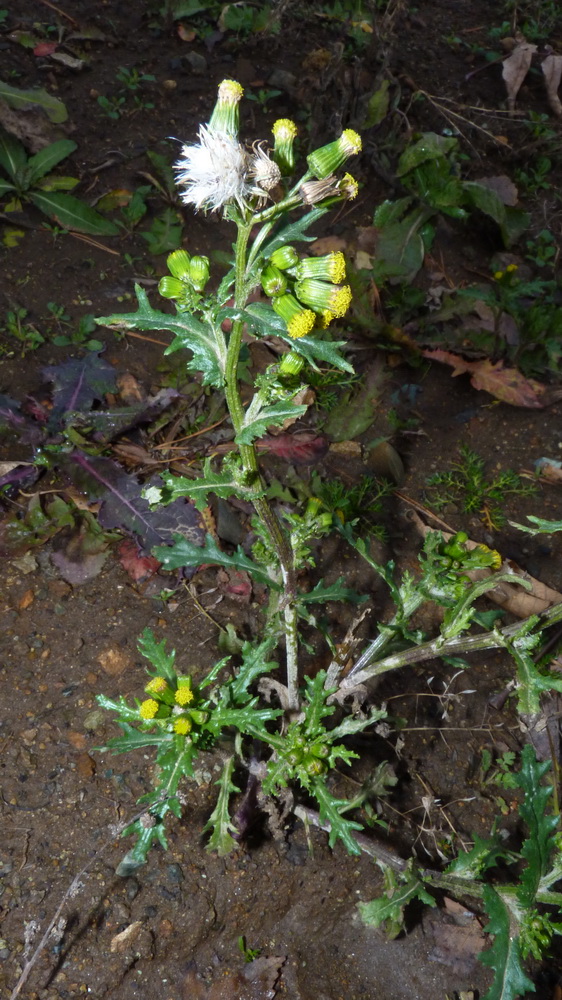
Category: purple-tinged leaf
<point>17,427</point>
<point>78,383</point>
<point>107,424</point>
<point>123,506</point>
<point>21,474</point>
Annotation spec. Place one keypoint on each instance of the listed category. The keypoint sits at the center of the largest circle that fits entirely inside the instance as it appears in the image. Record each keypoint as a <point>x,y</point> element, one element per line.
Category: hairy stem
<point>449,647</point>
<point>250,462</point>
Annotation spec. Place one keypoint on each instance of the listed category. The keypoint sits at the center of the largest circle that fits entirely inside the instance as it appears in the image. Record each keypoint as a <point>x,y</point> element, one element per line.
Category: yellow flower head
<point>182,726</point>
<point>184,695</point>
<point>148,709</point>
<point>156,686</point>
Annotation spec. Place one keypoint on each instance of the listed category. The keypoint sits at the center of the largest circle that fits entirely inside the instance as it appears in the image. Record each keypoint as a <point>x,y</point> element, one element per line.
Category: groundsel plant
<point>273,727</point>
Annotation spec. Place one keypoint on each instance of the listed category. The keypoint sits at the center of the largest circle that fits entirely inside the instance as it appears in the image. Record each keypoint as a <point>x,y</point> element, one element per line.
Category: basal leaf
<point>44,161</point>
<point>71,213</point>
<point>162,660</point>
<point>207,345</point>
<point>5,186</point>
<point>431,146</point>
<point>504,957</point>
<point>536,811</point>
<point>23,100</point>
<point>78,384</point>
<point>340,828</point>
<point>184,553</point>
<point>221,839</point>
<point>512,222</point>
<point>389,908</point>
<point>277,413</point>
<point>336,591</point>
<point>13,158</point>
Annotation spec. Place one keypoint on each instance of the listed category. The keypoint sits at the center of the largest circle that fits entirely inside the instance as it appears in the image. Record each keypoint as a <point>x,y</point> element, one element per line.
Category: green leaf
<point>511,221</point>
<point>223,484</point>
<point>249,720</point>
<point>430,147</point>
<point>504,957</point>
<point>263,320</point>
<point>219,821</point>
<point>294,232</point>
<point>207,345</point>
<point>483,854</point>
<point>6,186</point>
<point>358,409</point>
<point>71,213</point>
<point>135,739</point>
<point>377,106</point>
<point>548,527</point>
<point>336,591</point>
<point>44,161</point>
<point>13,157</point>
<point>316,708</point>
<point>400,244</point>
<point>531,683</point>
<point>536,811</point>
<point>161,660</point>
<point>123,710</point>
<point>184,553</point>
<point>255,426</point>
<point>254,664</point>
<point>165,232</point>
<point>26,99</point>
<point>340,827</point>
<point>389,908</point>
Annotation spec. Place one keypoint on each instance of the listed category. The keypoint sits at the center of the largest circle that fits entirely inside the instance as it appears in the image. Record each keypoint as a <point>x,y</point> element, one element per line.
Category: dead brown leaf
<point>501,381</point>
<point>256,981</point>
<point>552,72</point>
<point>515,69</point>
<point>130,389</point>
<point>327,244</point>
<point>26,600</point>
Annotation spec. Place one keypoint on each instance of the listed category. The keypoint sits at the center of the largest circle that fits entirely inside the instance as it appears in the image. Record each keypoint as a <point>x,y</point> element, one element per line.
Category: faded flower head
<point>213,172</point>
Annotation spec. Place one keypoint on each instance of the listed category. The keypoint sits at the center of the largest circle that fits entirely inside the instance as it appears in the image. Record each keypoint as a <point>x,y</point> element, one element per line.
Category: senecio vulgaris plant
<point>303,737</point>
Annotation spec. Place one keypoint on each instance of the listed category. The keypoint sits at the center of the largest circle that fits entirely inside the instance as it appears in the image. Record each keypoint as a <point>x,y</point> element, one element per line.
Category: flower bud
<point>313,506</point>
<point>226,116</point>
<point>299,321</point>
<point>273,281</point>
<point>178,264</point>
<point>321,296</point>
<point>291,364</point>
<point>199,272</point>
<point>199,717</point>
<point>284,133</point>
<point>331,267</point>
<point>324,161</point>
<point>284,257</point>
<point>314,766</point>
<point>171,288</point>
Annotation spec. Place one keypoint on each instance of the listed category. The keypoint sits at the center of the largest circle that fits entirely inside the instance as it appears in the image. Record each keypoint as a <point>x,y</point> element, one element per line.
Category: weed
<point>290,731</point>
<point>26,334</point>
<point>132,79</point>
<point>467,485</point>
<point>543,251</point>
<point>112,106</point>
<point>30,179</point>
<point>263,97</point>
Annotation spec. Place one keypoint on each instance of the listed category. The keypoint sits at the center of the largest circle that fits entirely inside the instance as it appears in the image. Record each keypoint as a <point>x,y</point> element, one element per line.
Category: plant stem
<point>451,647</point>
<point>250,463</point>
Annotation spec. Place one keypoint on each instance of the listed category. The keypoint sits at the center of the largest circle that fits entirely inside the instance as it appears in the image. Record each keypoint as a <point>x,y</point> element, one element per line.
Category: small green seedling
<point>467,485</point>
<point>26,334</point>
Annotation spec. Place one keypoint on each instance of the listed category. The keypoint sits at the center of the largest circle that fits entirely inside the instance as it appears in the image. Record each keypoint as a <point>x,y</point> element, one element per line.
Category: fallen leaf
<point>139,567</point>
<point>455,946</point>
<point>235,584</point>
<point>506,384</point>
<point>186,34</point>
<point>552,72</point>
<point>346,449</point>
<point>515,69</point>
<point>327,244</point>
<point>45,48</point>
<point>256,981</point>
<point>302,449</point>
<point>130,389</point>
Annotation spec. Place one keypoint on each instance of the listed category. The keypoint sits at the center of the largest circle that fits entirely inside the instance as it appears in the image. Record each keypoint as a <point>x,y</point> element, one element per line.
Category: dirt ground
<point>170,931</point>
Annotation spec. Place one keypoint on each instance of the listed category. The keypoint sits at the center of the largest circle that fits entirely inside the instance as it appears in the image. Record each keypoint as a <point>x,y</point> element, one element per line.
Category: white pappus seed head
<point>213,172</point>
